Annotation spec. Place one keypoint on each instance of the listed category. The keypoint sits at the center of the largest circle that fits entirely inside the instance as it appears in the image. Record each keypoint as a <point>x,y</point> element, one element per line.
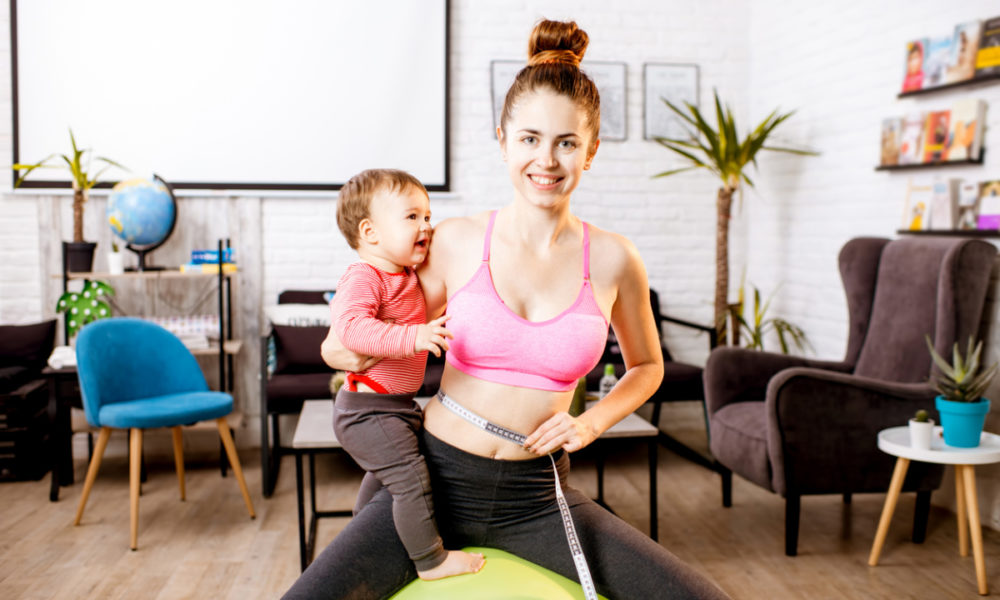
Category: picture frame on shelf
<point>610,78</point>
<point>678,83</point>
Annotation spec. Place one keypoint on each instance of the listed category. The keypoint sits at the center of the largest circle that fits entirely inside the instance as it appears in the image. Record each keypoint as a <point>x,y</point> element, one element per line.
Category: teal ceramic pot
<point>962,422</point>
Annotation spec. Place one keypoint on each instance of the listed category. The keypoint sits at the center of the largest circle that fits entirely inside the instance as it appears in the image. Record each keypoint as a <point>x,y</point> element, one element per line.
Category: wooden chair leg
<point>234,462</point>
<point>179,457</point>
<point>134,467</point>
<point>95,464</point>
<point>792,507</point>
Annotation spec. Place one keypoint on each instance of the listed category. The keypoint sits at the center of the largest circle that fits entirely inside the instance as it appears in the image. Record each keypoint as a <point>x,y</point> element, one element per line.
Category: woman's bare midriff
<point>518,409</point>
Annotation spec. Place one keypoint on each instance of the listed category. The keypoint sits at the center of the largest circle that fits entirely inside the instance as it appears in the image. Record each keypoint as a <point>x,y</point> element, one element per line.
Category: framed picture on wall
<point>502,74</point>
<point>678,83</point>
<point>610,78</point>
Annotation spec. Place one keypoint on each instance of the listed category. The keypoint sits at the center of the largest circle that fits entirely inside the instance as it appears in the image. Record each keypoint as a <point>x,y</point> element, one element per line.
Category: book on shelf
<point>936,61</point>
<point>913,72</point>
<point>943,212</point>
<point>891,129</point>
<point>964,46</point>
<point>968,205</point>
<point>965,129</point>
<point>911,139</point>
<point>918,201</point>
<point>935,136</point>
<point>208,268</point>
<point>988,54</point>
<point>989,205</point>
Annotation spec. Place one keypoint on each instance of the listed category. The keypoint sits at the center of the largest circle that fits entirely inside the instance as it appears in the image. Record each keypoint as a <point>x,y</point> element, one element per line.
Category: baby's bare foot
<point>457,563</point>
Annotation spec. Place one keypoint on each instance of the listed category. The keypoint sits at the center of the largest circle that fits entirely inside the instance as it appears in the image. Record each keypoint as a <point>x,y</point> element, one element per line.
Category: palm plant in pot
<point>79,254</point>
<point>720,150</point>
<point>961,385</point>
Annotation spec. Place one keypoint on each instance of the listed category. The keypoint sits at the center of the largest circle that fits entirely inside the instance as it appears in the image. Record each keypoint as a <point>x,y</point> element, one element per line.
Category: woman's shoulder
<point>611,254</point>
<point>460,231</point>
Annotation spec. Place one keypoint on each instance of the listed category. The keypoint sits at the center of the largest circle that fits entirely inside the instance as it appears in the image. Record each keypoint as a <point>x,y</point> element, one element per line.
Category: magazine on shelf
<point>944,204</point>
<point>989,205</point>
<point>918,201</point>
<point>891,129</point>
<point>913,67</point>
<point>911,139</point>
<point>964,46</point>
<point>965,129</point>
<point>988,54</point>
<point>935,136</point>
<point>968,205</point>
<point>936,61</point>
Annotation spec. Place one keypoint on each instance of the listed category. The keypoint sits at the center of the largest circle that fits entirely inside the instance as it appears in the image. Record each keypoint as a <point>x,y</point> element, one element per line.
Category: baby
<point>378,310</point>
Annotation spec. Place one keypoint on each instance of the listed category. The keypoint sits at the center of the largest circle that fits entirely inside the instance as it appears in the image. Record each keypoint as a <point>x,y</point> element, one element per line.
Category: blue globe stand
<point>142,250</point>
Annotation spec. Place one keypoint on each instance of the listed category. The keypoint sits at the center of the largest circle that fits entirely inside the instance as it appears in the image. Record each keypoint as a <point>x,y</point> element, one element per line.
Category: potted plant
<point>720,150</point>
<point>760,325</point>
<point>85,306</point>
<point>961,385</point>
<point>79,254</point>
<point>921,430</point>
<point>116,262</point>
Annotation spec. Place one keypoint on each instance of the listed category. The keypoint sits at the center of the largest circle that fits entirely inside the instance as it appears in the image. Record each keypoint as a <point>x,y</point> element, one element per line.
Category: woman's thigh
<point>365,561</point>
<point>623,561</point>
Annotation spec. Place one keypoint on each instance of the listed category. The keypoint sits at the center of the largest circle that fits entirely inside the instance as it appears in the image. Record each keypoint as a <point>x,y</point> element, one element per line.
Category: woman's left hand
<point>560,431</point>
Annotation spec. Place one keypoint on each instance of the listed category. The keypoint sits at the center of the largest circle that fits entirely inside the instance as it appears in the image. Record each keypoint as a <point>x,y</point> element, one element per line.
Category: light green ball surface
<point>504,577</point>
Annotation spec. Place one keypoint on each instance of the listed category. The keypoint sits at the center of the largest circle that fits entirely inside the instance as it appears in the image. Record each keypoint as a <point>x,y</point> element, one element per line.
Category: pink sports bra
<point>494,343</point>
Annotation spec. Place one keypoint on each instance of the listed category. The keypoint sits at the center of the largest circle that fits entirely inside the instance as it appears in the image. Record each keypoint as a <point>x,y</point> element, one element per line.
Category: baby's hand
<point>431,337</point>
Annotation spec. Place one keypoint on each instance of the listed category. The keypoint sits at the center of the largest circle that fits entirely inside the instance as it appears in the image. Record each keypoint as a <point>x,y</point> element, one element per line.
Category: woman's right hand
<point>338,357</point>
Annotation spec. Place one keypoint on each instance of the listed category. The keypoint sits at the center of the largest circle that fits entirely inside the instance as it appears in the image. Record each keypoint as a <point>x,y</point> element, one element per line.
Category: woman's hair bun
<point>557,42</point>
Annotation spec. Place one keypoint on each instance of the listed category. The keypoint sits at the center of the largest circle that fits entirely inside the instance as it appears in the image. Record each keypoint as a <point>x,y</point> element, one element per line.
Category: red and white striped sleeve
<point>355,309</point>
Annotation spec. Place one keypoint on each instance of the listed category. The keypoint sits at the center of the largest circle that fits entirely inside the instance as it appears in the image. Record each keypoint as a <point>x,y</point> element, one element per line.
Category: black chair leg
<point>223,460</point>
<point>792,506</point>
<point>265,456</point>
<point>921,512</point>
<point>847,498</point>
<point>727,485</point>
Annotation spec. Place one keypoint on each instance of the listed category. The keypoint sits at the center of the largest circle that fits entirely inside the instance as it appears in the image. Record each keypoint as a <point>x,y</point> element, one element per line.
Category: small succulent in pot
<point>920,416</point>
<point>963,380</point>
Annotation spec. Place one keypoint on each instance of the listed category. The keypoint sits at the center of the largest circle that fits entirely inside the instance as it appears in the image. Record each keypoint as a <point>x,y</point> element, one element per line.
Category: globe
<point>142,212</point>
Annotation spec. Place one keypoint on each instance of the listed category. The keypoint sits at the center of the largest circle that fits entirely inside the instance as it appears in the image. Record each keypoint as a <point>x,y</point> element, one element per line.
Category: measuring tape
<point>582,571</point>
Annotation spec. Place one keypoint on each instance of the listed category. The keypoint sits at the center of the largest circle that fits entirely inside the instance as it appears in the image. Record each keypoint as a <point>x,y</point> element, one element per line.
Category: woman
<point>530,290</point>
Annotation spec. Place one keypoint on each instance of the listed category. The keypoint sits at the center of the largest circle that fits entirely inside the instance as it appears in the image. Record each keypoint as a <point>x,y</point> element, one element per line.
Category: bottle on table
<point>608,380</point>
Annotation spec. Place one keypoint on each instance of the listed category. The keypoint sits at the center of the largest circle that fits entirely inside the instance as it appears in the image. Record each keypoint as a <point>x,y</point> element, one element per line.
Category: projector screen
<point>234,94</point>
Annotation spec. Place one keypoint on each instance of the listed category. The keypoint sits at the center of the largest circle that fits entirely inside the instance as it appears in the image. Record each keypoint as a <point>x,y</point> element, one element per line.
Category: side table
<point>896,441</point>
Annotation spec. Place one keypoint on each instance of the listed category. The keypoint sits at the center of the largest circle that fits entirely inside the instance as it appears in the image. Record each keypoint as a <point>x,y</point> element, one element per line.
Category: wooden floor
<point>207,547</point>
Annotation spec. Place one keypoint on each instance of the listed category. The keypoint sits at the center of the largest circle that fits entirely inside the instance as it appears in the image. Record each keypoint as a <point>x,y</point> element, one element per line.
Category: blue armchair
<point>136,375</point>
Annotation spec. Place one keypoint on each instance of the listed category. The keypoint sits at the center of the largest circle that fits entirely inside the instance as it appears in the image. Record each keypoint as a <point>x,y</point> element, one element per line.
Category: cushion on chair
<point>27,345</point>
<point>739,440</point>
<point>167,411</point>
<point>504,577</point>
<point>298,349</point>
<point>295,387</point>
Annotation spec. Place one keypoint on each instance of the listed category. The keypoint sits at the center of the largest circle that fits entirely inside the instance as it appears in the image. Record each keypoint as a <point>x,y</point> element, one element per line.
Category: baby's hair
<point>555,50</point>
<point>355,199</point>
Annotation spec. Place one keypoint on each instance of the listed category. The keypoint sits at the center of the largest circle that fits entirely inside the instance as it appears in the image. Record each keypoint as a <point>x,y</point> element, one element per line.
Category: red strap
<point>353,379</point>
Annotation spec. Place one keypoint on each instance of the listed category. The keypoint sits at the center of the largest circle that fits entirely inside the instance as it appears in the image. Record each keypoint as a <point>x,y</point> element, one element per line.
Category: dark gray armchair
<point>798,427</point>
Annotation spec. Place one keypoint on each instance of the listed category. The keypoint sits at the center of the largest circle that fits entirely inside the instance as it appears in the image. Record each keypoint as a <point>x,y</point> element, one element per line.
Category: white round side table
<point>896,441</point>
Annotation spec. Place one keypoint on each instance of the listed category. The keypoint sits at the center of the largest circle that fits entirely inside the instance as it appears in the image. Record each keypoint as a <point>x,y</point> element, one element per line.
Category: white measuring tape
<point>582,571</point>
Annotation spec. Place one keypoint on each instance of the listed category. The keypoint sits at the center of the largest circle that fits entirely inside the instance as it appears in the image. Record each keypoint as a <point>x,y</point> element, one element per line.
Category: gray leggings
<point>380,433</point>
<point>502,504</point>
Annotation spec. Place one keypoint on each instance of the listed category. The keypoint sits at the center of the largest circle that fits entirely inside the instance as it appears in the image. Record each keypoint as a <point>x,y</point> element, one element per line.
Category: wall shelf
<point>973,233</point>
<point>958,84</point>
<point>934,165</point>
